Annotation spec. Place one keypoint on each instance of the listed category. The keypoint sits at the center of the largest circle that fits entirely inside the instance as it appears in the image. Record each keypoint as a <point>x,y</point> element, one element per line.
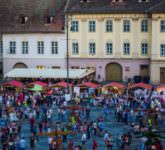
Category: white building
<point>33,50</point>
<point>33,34</point>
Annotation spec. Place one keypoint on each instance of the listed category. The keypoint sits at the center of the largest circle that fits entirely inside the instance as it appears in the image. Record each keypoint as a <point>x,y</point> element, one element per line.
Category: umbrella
<point>141,85</point>
<point>61,84</point>
<point>14,83</point>
<point>36,88</point>
<point>89,85</point>
<point>161,88</point>
<point>115,85</point>
<point>38,83</point>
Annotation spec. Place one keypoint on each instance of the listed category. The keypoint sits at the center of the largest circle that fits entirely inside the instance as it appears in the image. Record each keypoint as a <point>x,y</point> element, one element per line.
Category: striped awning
<point>48,73</point>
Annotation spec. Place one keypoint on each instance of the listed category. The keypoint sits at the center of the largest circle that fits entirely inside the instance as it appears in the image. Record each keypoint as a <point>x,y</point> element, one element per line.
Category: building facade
<point>33,34</point>
<point>34,50</point>
<point>119,39</point>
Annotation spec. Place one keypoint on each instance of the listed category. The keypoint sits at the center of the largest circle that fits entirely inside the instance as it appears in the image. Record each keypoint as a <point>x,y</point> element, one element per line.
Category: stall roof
<point>141,85</point>
<point>47,73</point>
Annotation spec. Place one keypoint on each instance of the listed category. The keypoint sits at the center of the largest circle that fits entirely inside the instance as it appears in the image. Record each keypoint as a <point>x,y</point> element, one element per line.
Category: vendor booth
<point>141,85</point>
<point>114,87</point>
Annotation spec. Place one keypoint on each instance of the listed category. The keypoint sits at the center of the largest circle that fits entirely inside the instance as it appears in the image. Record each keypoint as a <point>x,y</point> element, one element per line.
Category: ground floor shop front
<point>114,69</point>
<point>158,72</point>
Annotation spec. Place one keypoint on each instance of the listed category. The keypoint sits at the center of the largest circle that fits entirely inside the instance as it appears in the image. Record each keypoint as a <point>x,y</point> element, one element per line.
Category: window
<point>109,26</point>
<point>162,25</point>
<point>109,48</point>
<point>144,26</point>
<point>74,26</point>
<point>23,19</point>
<point>24,47</point>
<point>92,48</point>
<point>56,67</point>
<point>40,47</point>
<point>41,67</point>
<point>126,49</point>
<point>144,48</point>
<point>162,50</point>
<point>75,67</point>
<point>92,26</point>
<point>126,26</point>
<point>54,47</point>
<point>12,48</point>
<point>1,47</point>
<point>75,48</point>
<point>49,19</point>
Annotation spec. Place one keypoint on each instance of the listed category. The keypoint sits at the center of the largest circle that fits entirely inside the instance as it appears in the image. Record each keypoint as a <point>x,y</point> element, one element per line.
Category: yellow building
<point>121,39</point>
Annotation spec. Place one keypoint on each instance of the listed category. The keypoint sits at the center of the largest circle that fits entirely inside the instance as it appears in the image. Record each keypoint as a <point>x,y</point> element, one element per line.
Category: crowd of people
<point>138,109</point>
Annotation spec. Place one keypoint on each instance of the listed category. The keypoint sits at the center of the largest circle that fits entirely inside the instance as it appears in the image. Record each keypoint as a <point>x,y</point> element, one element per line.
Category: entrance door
<point>162,75</point>
<point>144,70</point>
<point>114,72</point>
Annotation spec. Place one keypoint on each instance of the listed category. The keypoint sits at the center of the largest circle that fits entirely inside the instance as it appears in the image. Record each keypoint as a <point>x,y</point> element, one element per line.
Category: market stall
<point>141,85</point>
<point>161,88</point>
<point>114,87</point>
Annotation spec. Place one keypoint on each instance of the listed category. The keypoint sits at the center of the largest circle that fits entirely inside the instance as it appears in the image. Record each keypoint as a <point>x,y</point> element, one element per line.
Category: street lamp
<point>67,51</point>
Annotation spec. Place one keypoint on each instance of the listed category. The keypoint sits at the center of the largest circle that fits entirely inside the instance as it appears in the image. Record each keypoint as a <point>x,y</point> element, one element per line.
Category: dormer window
<point>117,0</point>
<point>23,19</point>
<point>49,19</point>
<point>85,1</point>
<point>141,1</point>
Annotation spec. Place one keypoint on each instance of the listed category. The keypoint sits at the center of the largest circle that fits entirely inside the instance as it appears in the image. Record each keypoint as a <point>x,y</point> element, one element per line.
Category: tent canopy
<point>36,88</point>
<point>47,73</point>
<point>141,85</point>
<point>13,83</point>
<point>89,85</point>
<point>116,85</point>
<point>61,84</point>
<point>161,88</point>
<point>38,83</point>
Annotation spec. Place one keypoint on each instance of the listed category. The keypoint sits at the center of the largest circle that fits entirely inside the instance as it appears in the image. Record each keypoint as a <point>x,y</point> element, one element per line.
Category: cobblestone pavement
<point>114,127</point>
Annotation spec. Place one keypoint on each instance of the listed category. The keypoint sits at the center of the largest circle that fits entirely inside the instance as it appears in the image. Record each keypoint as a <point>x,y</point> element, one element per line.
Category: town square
<point>82,74</point>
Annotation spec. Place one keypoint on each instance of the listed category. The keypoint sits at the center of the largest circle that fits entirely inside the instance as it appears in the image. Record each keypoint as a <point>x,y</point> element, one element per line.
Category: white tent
<point>47,73</point>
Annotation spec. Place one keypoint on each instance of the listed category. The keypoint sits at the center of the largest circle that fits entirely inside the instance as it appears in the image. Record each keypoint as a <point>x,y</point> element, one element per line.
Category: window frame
<point>12,47</point>
<point>92,26</point>
<point>75,48</point>
<point>40,47</point>
<point>126,25</point>
<point>92,48</point>
<point>74,26</point>
<point>144,25</point>
<point>54,47</point>
<point>126,48</point>
<point>1,47</point>
<point>109,50</point>
<point>144,49</point>
<point>162,25</point>
<point>162,50</point>
<point>25,47</point>
<point>109,26</point>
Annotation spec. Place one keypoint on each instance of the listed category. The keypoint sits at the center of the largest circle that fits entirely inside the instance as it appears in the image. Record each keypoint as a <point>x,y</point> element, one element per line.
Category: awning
<point>48,73</point>
<point>141,85</point>
<point>36,88</point>
<point>115,85</point>
<point>61,84</point>
<point>38,83</point>
<point>13,83</point>
<point>161,88</point>
<point>89,85</point>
